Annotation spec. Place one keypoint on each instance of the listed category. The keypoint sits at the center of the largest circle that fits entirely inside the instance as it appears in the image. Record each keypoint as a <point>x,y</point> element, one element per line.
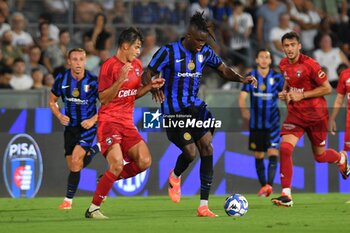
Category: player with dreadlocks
<point>180,64</point>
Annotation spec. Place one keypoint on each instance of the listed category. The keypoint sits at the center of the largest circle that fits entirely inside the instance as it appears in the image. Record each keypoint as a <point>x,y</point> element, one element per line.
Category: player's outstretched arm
<point>157,94</point>
<point>336,107</point>
<point>230,74</point>
<point>154,85</point>
<point>147,76</point>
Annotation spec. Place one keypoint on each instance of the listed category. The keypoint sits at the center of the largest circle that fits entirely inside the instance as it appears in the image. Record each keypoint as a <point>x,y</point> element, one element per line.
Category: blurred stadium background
<point>40,33</point>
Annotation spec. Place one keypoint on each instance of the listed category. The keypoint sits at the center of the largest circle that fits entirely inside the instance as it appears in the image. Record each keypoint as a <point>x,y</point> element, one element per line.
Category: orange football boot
<point>174,188</point>
<point>344,168</point>
<point>204,211</point>
<point>66,205</point>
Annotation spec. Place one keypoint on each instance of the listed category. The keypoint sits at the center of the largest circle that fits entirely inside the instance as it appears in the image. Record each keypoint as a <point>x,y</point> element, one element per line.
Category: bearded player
<point>304,89</point>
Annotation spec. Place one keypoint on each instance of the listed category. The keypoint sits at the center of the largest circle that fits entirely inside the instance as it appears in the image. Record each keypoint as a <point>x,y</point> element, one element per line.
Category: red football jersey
<point>344,85</point>
<point>344,89</point>
<point>305,75</point>
<point>121,108</point>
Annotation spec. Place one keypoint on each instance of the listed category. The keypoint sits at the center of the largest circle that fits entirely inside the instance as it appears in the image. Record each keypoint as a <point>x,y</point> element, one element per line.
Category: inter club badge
<point>262,87</point>
<point>191,65</point>
<point>75,92</point>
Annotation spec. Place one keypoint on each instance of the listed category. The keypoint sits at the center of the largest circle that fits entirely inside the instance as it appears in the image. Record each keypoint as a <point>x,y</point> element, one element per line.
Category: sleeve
<point>213,60</point>
<point>281,65</point>
<point>56,87</point>
<point>159,60</point>
<point>341,88</point>
<point>105,78</point>
<point>247,87</point>
<point>316,54</point>
<point>47,52</point>
<point>95,87</point>
<point>260,11</point>
<point>317,74</point>
<point>250,21</point>
<point>87,35</point>
<point>230,21</point>
<point>274,35</point>
<point>140,71</point>
<point>280,82</point>
<point>30,39</point>
<point>282,8</point>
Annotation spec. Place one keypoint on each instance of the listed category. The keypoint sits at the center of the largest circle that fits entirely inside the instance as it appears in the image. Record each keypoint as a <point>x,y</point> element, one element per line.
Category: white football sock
<point>173,174</point>
<point>342,158</point>
<point>93,207</point>
<point>203,202</point>
<point>287,191</point>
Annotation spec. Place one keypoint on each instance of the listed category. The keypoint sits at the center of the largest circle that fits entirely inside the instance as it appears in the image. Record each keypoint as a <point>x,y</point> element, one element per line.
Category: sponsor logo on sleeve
<point>288,126</point>
<point>347,82</point>
<point>321,74</point>
<point>109,141</point>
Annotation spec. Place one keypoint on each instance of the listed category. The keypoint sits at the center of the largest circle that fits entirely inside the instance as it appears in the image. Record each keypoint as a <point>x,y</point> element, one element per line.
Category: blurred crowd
<point>35,35</point>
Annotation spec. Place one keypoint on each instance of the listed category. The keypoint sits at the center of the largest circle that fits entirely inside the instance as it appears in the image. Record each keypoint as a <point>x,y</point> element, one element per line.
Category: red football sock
<point>129,170</point>
<point>286,161</point>
<point>329,156</point>
<point>104,185</point>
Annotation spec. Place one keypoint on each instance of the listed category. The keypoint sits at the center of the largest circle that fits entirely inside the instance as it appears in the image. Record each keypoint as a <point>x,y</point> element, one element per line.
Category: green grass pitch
<point>310,213</point>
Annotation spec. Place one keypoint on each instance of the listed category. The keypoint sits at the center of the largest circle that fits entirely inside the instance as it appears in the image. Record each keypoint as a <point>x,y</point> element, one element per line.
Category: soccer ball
<point>236,205</point>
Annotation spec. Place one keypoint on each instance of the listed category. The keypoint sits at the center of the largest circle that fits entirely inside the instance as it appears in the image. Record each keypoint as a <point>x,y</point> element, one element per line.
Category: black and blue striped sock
<point>260,170</point>
<point>271,169</point>
<point>73,182</point>
<point>206,176</point>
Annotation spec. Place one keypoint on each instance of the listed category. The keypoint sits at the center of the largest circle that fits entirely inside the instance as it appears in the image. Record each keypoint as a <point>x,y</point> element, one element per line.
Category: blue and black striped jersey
<point>79,97</point>
<point>182,71</point>
<point>264,112</point>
